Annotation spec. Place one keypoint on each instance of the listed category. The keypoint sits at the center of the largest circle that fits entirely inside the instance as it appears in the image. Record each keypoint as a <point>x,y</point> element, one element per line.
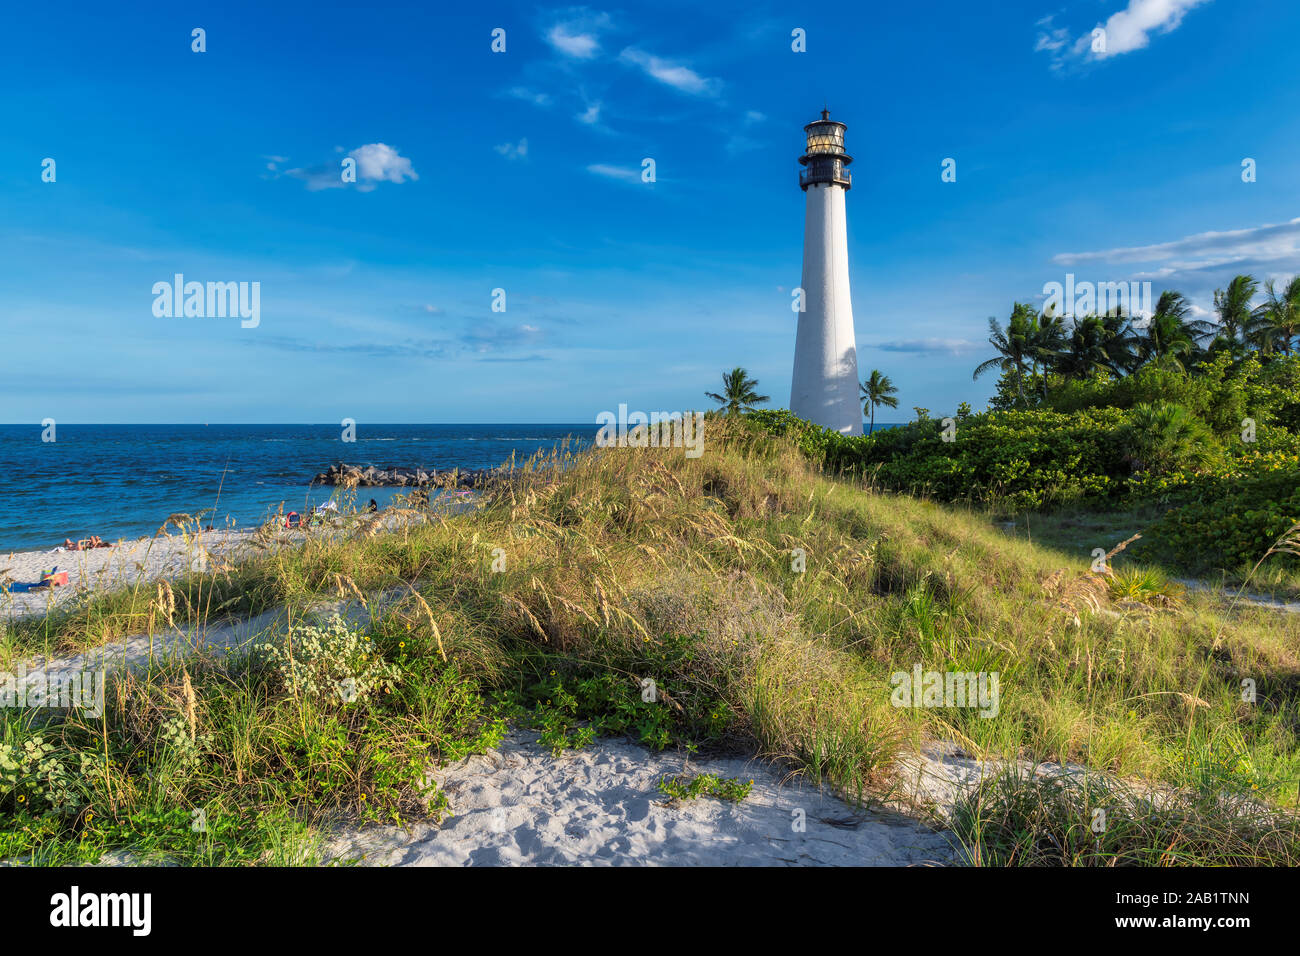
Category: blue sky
<point>521,171</point>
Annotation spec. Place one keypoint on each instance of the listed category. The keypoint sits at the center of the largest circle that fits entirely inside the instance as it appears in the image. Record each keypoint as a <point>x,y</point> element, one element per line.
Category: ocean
<point>122,481</point>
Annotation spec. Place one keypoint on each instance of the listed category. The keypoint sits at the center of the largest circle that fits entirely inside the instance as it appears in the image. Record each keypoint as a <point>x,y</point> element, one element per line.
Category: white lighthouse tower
<point>824,389</point>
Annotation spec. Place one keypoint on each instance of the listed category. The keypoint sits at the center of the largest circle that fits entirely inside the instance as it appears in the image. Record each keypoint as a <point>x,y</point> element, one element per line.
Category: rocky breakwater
<point>395,477</point>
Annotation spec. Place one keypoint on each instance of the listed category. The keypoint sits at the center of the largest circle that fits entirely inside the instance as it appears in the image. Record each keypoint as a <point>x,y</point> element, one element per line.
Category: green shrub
<point>1218,391</point>
<point>1021,459</point>
<point>1231,519</point>
<point>1164,438</point>
<point>1027,459</point>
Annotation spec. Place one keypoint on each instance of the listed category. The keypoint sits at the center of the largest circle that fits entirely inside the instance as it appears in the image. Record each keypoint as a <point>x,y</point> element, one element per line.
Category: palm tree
<point>1014,345</point>
<point>1277,322</point>
<point>1168,333</point>
<point>738,393</point>
<point>878,390</point>
<point>1176,304</point>
<point>1233,306</point>
<point>1047,343</point>
<point>1121,341</point>
<point>1085,351</point>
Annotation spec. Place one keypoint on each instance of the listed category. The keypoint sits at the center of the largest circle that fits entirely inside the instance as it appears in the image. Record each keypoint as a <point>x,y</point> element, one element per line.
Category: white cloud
<point>590,116</point>
<point>931,345</point>
<point>681,78</point>
<point>615,172</point>
<point>376,162</point>
<point>1052,40</point>
<point>1269,242</point>
<point>577,34</point>
<point>517,150</point>
<point>1126,30</point>
<point>583,46</point>
<point>529,96</point>
<point>1130,28</point>
<point>1198,264</point>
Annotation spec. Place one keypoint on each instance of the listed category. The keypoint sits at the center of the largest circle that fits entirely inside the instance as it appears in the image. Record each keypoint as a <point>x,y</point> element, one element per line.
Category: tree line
<point>1116,343</point>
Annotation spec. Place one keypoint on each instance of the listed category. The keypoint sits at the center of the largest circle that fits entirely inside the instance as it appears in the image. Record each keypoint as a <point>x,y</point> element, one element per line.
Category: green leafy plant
<point>174,734</point>
<point>1162,438</point>
<point>38,775</point>
<point>706,785</point>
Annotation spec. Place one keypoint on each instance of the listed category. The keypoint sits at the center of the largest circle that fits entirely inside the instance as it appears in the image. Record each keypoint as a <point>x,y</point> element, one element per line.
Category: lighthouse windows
<point>825,138</point>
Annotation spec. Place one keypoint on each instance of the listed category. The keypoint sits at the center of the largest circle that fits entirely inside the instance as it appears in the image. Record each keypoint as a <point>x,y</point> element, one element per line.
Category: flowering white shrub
<point>330,662</point>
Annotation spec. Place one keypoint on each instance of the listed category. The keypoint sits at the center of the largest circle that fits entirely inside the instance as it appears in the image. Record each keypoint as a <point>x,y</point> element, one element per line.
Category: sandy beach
<point>128,563</point>
<point>123,565</point>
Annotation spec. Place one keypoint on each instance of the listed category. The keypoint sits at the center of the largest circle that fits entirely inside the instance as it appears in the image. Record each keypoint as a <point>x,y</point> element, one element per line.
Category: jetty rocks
<point>392,476</point>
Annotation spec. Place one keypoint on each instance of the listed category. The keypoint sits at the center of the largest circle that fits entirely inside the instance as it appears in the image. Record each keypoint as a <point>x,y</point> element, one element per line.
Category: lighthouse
<point>824,388</point>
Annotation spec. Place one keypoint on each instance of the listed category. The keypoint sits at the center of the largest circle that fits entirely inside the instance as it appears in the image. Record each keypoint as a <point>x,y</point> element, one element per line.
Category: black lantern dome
<point>825,160</point>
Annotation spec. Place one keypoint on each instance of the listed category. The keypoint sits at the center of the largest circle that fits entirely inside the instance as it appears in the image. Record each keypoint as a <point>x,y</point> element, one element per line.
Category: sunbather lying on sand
<point>86,544</point>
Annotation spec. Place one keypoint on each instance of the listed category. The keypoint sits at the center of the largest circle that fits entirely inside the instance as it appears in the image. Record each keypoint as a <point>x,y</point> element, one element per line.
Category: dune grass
<point>766,605</point>
<point>1076,531</point>
<point>1080,819</point>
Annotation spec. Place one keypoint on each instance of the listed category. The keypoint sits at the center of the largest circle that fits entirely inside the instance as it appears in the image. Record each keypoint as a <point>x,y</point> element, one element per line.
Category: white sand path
<point>1228,596</point>
<point>602,806</point>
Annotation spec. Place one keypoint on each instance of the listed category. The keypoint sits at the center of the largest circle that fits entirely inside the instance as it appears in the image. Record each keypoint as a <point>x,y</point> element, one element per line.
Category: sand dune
<point>600,806</point>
